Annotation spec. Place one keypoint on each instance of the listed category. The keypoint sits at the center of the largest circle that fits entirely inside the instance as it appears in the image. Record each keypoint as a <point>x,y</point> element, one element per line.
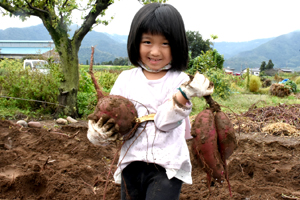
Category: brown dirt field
<point>39,163</point>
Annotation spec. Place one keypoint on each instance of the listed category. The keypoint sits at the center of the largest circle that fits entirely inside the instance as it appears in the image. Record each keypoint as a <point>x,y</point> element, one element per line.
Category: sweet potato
<point>226,135</point>
<point>205,147</point>
<point>226,140</point>
<point>117,107</point>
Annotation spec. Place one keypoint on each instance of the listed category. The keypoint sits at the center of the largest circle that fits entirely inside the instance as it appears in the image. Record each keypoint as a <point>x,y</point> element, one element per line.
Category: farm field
<point>58,162</point>
<point>105,67</point>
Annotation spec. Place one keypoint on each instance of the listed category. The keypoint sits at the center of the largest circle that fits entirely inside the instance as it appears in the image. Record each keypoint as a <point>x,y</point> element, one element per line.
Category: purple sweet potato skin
<point>205,146</point>
<point>226,135</point>
<point>118,108</point>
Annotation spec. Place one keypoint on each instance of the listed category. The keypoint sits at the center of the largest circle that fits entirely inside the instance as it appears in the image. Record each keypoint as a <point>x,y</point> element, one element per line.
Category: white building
<point>229,70</point>
<point>253,71</point>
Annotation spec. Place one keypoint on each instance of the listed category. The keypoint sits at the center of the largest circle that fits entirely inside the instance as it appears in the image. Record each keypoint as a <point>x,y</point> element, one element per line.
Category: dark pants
<point>148,181</point>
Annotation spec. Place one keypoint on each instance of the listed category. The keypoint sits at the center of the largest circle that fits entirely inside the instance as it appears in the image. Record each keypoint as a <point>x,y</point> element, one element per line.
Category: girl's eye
<point>146,42</point>
<point>165,43</point>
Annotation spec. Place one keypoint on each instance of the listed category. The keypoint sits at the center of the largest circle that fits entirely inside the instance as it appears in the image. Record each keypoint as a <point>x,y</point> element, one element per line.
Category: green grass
<point>9,110</point>
<point>240,103</point>
<point>105,67</point>
<point>9,113</point>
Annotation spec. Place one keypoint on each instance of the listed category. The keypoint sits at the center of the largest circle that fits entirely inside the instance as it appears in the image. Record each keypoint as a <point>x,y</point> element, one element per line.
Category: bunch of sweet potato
<point>113,108</point>
<point>214,141</point>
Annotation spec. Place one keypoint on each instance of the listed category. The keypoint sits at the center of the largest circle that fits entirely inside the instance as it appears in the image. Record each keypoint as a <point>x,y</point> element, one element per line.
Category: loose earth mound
<point>60,163</point>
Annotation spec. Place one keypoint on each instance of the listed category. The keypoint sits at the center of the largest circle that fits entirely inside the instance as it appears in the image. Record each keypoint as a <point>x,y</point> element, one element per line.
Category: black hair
<point>156,18</point>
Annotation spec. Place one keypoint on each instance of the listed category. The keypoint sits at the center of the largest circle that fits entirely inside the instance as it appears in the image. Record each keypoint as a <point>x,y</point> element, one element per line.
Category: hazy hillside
<point>118,38</point>
<point>284,51</point>
<point>230,49</point>
<point>99,56</point>
<point>104,44</point>
<point>38,32</point>
<point>108,47</point>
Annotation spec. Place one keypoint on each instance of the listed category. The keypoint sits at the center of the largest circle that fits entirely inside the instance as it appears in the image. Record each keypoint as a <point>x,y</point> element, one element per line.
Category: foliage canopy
<point>211,59</point>
<point>270,65</point>
<point>263,66</point>
<point>196,44</point>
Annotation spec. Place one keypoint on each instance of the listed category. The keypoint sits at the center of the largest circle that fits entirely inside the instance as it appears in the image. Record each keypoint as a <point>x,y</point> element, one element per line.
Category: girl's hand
<point>103,131</point>
<point>199,86</point>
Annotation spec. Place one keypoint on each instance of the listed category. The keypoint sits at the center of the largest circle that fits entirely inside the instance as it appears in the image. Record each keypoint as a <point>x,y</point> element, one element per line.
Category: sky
<point>230,20</point>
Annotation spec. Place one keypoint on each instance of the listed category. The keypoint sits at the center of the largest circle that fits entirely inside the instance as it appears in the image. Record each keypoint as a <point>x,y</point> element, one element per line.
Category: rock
<point>61,121</point>
<point>34,124</point>
<point>22,123</point>
<point>71,120</point>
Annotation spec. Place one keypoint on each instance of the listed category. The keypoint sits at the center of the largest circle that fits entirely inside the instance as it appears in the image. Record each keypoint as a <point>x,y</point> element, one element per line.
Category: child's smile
<point>155,51</point>
<point>154,61</point>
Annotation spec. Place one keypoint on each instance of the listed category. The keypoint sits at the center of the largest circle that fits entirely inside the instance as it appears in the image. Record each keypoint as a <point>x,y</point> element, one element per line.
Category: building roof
<point>286,70</point>
<point>23,50</point>
<point>255,70</point>
<point>228,70</point>
<point>26,41</point>
<point>252,69</point>
<point>24,47</point>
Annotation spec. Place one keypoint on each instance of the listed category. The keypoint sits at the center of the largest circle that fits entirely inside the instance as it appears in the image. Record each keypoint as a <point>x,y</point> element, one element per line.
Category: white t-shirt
<point>163,141</point>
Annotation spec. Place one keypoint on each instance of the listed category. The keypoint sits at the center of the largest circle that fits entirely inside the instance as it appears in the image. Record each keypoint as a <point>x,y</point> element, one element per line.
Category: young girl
<point>155,162</point>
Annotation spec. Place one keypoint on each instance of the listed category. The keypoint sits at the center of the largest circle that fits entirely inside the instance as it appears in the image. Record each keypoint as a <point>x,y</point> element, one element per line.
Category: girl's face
<point>155,51</point>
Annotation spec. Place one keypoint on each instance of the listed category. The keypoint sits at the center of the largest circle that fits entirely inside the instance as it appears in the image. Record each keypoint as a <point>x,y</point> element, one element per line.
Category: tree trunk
<point>68,52</point>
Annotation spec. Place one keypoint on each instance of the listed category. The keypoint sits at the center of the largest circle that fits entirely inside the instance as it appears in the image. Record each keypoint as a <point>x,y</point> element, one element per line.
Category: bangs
<point>159,22</point>
<point>154,26</point>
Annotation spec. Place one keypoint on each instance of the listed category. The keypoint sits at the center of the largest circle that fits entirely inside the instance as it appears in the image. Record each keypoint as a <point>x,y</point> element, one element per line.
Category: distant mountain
<point>230,49</point>
<point>118,38</point>
<point>284,51</point>
<point>99,56</point>
<point>38,32</point>
<point>107,47</point>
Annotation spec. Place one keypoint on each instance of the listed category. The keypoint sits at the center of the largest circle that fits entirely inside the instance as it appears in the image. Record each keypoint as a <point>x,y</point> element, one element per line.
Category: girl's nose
<point>155,51</point>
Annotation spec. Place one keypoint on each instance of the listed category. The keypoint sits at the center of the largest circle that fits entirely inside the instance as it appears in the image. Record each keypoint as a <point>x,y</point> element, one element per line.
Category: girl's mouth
<point>153,61</point>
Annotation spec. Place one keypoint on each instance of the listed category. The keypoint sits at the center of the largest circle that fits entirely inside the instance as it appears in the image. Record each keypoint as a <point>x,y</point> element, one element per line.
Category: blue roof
<point>31,41</point>
<point>24,50</point>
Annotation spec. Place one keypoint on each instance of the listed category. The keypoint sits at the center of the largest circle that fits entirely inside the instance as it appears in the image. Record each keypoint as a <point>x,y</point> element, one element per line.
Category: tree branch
<point>21,9</point>
<point>60,13</point>
<point>51,3</point>
<point>90,19</point>
<point>64,3</point>
<point>15,10</point>
<point>61,18</point>
<point>34,8</point>
<point>46,5</point>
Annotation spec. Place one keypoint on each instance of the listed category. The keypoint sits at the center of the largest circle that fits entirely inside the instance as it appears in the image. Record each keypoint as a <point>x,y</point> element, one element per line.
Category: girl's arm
<point>175,109</point>
<point>181,99</point>
<point>171,113</point>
